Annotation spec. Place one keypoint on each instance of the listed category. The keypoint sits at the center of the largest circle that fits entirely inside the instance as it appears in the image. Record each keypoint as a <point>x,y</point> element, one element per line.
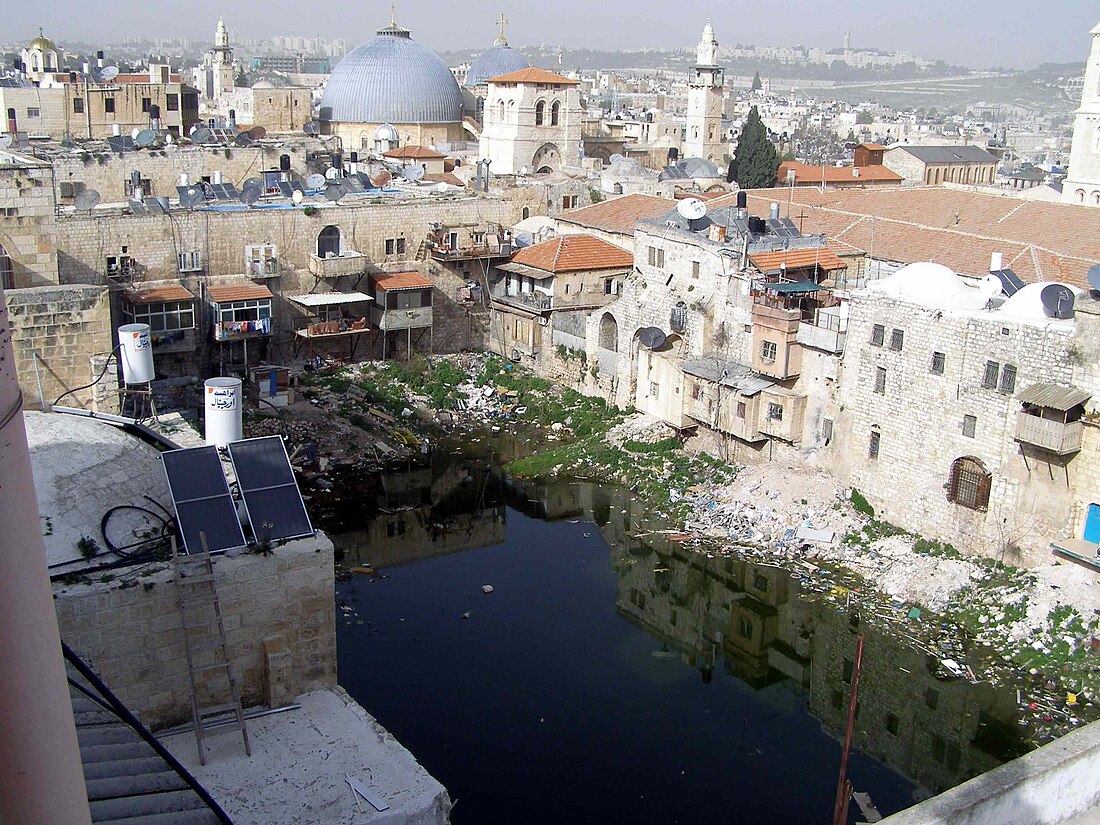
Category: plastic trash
<point>486,588</point>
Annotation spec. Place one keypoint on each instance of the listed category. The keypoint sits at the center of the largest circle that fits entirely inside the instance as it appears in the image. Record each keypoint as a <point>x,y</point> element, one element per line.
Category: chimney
<point>996,262</point>
<point>13,126</point>
<point>99,62</point>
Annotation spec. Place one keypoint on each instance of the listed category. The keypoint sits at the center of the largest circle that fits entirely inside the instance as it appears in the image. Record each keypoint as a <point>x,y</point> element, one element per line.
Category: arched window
<point>968,483</point>
<point>1079,195</point>
<point>525,213</point>
<point>555,113</point>
<point>7,270</point>
<point>609,332</point>
<point>1096,198</point>
<point>695,132</point>
<point>540,112</point>
<point>500,111</point>
<point>328,242</point>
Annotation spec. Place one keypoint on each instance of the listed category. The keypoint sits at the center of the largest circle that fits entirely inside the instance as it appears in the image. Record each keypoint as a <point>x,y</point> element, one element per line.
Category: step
<point>145,806</point>
<point>110,734</point>
<point>196,816</point>
<point>113,787</point>
<point>198,578</point>
<point>136,749</point>
<point>211,622</point>
<point>124,767</point>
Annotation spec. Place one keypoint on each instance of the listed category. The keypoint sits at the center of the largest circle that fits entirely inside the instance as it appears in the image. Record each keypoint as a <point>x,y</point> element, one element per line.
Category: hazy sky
<point>977,33</point>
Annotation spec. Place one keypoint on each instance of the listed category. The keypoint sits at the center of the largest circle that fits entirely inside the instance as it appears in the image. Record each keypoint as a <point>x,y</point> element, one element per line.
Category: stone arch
<point>328,241</point>
<point>1079,196</point>
<point>969,483</point>
<point>1096,198</point>
<point>602,153</point>
<point>546,159</point>
<point>609,332</point>
<point>540,112</point>
<point>555,113</point>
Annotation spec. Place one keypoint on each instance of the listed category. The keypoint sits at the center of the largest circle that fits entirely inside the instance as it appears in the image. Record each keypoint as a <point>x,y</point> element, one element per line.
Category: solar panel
<point>1010,281</point>
<point>777,228</point>
<point>231,193</point>
<point>155,207</point>
<point>120,143</point>
<point>792,230</point>
<point>364,179</point>
<point>201,497</point>
<point>271,497</point>
<point>285,189</point>
<point>353,184</point>
<point>742,225</point>
<point>138,208</point>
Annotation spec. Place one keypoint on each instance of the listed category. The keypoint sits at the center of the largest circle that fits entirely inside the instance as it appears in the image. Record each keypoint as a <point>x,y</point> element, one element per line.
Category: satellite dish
<point>252,191</point>
<point>86,200</point>
<point>691,209</point>
<point>168,138</point>
<point>331,173</point>
<point>254,183</point>
<point>243,140</point>
<point>652,337</point>
<point>1057,301</point>
<point>383,178</point>
<point>298,196</point>
<point>315,181</point>
<point>523,170</point>
<point>257,133</point>
<point>990,286</point>
<point>108,73</point>
<point>134,133</point>
<point>145,138</point>
<point>412,173</point>
<point>312,128</point>
<point>335,191</point>
<point>1094,277</point>
<point>201,135</point>
<point>191,196</point>
<point>615,158</point>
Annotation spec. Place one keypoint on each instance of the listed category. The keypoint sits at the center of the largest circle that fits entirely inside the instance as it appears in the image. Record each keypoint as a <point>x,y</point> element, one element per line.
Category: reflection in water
<point>717,614</point>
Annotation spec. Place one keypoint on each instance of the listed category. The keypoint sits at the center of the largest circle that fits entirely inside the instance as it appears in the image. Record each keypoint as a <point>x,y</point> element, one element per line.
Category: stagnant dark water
<point>614,676</point>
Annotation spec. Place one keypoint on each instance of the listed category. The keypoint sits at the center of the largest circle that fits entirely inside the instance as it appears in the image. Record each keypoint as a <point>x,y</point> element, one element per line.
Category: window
<point>609,286</point>
<point>166,316</point>
<point>827,430</point>
<point>775,412</point>
<point>109,105</point>
<point>989,378</point>
<point>654,390</point>
<point>569,202</point>
<point>878,334</point>
<point>189,261</point>
<point>555,113</point>
<point>694,269</point>
<point>656,257</point>
<point>7,270</point>
<point>838,700</point>
<point>68,190</point>
<point>968,483</point>
<point>146,104</point>
<point>1008,379</point>
<point>395,246</point>
<point>740,409</point>
<point>970,425</point>
<point>939,361</point>
<point>137,189</point>
<point>34,111</point>
<point>237,311</point>
<point>880,380</point>
<point>768,351</point>
<point>567,289</point>
<point>120,266</point>
<point>525,213</point>
<point>874,443</point>
<point>261,260</point>
<point>744,627</point>
<point>897,339</point>
<point>540,112</point>
<point>172,102</point>
<point>696,391</point>
<point>849,669</point>
<point>78,105</point>
<point>893,724</point>
<point>760,582</point>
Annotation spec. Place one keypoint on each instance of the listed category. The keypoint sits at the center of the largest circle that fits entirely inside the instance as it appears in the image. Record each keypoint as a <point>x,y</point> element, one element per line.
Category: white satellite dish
<point>108,73</point>
<point>134,133</point>
<point>168,139</point>
<point>691,209</point>
<point>523,170</point>
<point>331,173</point>
<point>990,287</point>
<point>297,197</point>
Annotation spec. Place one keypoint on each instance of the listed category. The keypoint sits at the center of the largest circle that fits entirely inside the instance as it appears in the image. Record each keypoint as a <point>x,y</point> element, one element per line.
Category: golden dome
<point>42,43</point>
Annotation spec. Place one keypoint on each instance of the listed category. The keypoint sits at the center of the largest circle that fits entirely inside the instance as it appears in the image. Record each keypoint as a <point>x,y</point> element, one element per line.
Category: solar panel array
<point>270,492</point>
<point>1010,281</point>
<point>138,208</point>
<point>202,500</point>
<point>121,143</point>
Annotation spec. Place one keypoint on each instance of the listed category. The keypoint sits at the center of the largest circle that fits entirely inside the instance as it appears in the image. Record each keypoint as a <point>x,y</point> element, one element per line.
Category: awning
<point>158,295</point>
<point>819,257</point>
<point>526,271</point>
<point>793,288</point>
<point>328,299</point>
<point>1055,396</point>
<point>238,292</point>
<point>738,377</point>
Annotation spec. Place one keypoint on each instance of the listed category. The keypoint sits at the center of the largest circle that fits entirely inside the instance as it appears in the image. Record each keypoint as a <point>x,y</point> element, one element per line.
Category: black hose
<point>123,551</point>
<point>102,372</point>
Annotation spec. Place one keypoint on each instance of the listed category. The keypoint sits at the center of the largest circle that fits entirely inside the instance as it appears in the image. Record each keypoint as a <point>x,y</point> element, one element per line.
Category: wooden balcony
<point>1058,437</point>
<point>335,266</point>
<point>465,253</point>
<point>389,320</point>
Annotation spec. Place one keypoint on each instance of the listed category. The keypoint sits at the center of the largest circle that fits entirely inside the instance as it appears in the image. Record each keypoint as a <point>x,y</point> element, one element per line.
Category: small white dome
<point>1027,304</point>
<point>263,84</point>
<point>386,132</point>
<point>933,284</point>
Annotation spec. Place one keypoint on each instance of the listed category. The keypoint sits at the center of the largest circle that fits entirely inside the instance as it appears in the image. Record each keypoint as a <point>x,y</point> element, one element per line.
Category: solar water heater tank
<point>223,411</point>
<point>136,354</point>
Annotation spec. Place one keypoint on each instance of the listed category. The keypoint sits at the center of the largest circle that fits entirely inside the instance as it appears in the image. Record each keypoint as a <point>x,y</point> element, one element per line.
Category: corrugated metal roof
<point>327,299</point>
<point>1055,396</point>
<point>727,373</point>
<point>238,292</point>
<point>947,154</point>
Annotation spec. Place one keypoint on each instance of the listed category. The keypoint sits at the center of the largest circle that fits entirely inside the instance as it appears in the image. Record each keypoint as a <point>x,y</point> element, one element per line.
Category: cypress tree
<point>757,161</point>
<point>757,84</point>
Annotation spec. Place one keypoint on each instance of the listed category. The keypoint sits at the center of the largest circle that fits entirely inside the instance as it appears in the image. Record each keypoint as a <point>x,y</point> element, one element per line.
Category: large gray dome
<point>392,79</point>
<point>501,59</point>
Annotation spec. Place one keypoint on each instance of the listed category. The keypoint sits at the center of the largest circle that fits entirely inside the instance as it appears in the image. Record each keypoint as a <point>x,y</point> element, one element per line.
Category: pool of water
<point>614,675</point>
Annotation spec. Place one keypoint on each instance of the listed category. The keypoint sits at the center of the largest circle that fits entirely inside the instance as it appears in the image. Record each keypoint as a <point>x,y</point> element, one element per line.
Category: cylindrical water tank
<point>217,177</point>
<point>185,179</point>
<point>223,411</point>
<point>137,353</point>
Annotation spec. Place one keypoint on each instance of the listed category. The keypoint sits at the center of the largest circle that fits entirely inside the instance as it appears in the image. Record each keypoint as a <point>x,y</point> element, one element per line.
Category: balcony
<point>531,301</point>
<point>463,253</point>
<point>239,330</point>
<point>261,270</point>
<point>389,320</point>
<point>335,266</point>
<point>1058,437</point>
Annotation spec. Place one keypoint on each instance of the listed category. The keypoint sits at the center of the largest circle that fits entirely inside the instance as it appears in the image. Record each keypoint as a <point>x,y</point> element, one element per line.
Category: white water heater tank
<point>137,354</point>
<point>223,411</point>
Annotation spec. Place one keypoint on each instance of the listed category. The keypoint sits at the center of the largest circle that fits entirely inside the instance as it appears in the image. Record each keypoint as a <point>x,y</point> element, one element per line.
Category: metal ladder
<point>207,654</point>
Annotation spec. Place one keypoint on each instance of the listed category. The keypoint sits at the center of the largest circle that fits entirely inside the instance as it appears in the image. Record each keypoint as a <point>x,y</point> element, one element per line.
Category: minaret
<point>222,58</point>
<point>704,114</point>
<point>1083,183</point>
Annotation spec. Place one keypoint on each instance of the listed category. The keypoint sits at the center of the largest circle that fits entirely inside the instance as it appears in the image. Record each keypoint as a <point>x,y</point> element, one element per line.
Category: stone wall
<point>26,212</point>
<point>133,636</point>
<point>69,327</point>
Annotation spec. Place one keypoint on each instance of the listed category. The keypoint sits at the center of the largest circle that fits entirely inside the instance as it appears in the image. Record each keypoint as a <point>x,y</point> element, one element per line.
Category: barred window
<point>768,350</point>
<point>880,380</point>
<point>874,444</point>
<point>897,339</point>
<point>878,334</point>
<point>1008,379</point>
<point>969,483</point>
<point>939,361</point>
<point>970,425</point>
<point>989,378</point>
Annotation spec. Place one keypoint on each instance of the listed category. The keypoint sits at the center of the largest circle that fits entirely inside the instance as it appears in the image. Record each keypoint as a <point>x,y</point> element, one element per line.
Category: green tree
<point>756,162</point>
<point>865,117</point>
<point>757,83</point>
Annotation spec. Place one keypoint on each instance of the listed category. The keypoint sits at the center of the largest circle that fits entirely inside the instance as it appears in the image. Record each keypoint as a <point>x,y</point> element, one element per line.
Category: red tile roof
<point>400,280</point>
<point>238,292</point>
<point>825,259</point>
<point>619,214</point>
<point>415,152</point>
<point>445,177</point>
<point>159,294</point>
<point>574,253</point>
<point>533,75</point>
<point>804,173</point>
<point>960,229</point>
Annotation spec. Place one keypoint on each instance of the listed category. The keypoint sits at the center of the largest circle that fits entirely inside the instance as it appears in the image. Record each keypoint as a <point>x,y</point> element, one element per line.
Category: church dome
<point>42,43</point>
<point>501,59</point>
<point>386,132</point>
<point>393,79</point>
<point>263,84</point>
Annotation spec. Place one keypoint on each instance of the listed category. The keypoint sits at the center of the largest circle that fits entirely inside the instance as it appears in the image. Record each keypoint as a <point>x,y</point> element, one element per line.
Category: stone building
<point>705,100</point>
<point>392,80</point>
<point>1082,185</point>
<point>931,165</point>
<point>216,76</point>
<point>532,123</point>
